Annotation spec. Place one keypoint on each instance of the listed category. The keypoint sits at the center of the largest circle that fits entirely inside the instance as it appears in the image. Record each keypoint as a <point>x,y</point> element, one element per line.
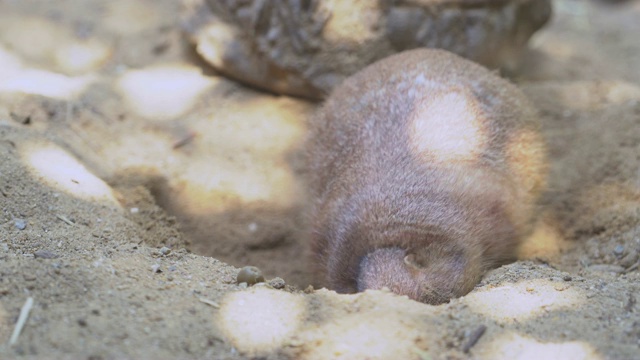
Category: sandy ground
<point>131,176</point>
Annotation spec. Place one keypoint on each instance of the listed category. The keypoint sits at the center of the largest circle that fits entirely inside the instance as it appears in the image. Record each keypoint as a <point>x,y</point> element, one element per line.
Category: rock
<point>306,48</point>
<point>20,224</point>
<point>618,251</point>
<point>277,283</point>
<point>250,275</point>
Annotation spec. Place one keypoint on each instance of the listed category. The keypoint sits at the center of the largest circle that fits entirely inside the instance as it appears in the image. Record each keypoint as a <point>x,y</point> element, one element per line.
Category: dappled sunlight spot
<point>163,92</point>
<point>60,170</point>
<point>365,335</point>
<point>523,300</point>
<point>263,126</point>
<point>45,83</point>
<point>260,320</point>
<point>516,347</point>
<point>545,242</point>
<point>448,126</point>
<point>527,164</point>
<point>14,77</point>
<point>351,21</point>
<point>82,56</point>
<point>31,37</point>
<point>526,158</point>
<point>211,186</point>
<point>214,40</point>
<point>55,44</point>
<point>243,149</point>
<point>149,149</point>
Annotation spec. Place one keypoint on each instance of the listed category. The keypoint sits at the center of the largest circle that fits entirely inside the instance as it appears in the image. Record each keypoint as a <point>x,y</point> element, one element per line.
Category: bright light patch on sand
<point>259,320</point>
<point>211,186</point>
<point>523,300</point>
<point>163,92</point>
<point>367,335</point>
<point>448,127</point>
<point>516,347</point>
<point>58,169</point>
<point>81,56</point>
<point>214,39</point>
<point>545,242</point>
<point>15,78</point>
<point>248,144</point>
<point>46,83</point>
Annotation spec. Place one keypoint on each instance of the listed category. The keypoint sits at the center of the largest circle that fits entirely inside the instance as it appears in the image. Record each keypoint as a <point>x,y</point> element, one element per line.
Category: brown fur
<point>391,211</point>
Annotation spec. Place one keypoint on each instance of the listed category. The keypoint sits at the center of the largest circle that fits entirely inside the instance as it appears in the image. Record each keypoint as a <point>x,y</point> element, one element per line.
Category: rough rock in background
<point>305,48</point>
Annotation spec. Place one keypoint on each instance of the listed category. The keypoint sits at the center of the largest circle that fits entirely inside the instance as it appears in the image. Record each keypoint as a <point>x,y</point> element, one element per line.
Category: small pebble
<point>165,250</point>
<point>250,275</point>
<point>172,268</point>
<point>156,268</point>
<point>567,278</point>
<point>618,250</point>
<point>21,224</point>
<point>277,283</point>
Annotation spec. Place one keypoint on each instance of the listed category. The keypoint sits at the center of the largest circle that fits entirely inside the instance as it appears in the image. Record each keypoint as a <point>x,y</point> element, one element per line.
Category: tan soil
<point>140,146</point>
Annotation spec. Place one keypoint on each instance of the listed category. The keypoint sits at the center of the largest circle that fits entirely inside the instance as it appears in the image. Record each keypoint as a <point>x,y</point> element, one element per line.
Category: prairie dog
<point>425,169</point>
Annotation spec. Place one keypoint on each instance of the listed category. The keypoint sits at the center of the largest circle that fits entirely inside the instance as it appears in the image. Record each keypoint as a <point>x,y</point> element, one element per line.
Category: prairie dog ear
<point>410,261</point>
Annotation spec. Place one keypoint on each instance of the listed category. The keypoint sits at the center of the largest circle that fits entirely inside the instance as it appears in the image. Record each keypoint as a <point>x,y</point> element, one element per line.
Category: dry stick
<point>22,319</point>
<point>64,218</point>
<point>473,338</point>
<point>210,303</point>
<point>184,141</point>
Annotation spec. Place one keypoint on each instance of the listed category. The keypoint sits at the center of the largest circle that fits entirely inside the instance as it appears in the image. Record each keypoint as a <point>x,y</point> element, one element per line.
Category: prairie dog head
<point>432,275</point>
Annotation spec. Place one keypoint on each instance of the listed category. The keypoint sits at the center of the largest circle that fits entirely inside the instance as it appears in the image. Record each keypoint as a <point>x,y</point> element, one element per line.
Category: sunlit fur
<point>424,169</point>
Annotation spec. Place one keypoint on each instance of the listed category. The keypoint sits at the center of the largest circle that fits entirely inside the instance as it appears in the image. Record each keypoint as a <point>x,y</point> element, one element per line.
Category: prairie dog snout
<point>425,169</point>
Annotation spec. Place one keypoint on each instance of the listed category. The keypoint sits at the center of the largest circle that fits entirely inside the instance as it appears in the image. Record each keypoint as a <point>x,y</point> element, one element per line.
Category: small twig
<point>210,303</point>
<point>473,338</point>
<point>184,141</point>
<point>22,319</point>
<point>65,219</point>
